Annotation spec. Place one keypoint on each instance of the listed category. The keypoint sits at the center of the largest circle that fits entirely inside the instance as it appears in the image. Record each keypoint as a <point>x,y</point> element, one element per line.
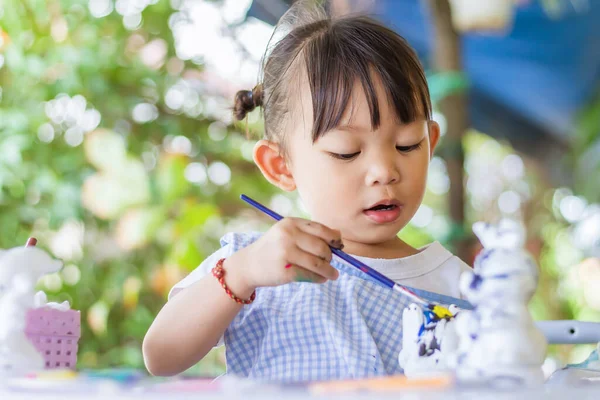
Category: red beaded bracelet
<point>219,273</point>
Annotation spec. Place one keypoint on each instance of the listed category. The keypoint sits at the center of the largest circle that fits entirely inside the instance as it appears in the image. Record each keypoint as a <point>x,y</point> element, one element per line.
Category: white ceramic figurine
<point>20,269</point>
<point>498,340</point>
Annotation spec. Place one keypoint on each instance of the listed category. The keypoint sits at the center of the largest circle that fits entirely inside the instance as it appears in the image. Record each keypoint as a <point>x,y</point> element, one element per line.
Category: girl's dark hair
<point>246,101</point>
<point>333,54</point>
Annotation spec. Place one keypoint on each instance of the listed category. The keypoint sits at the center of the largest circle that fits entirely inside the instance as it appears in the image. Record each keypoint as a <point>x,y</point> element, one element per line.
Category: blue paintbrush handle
<point>262,208</point>
<point>351,260</point>
<point>363,267</point>
<point>346,257</point>
<point>440,311</point>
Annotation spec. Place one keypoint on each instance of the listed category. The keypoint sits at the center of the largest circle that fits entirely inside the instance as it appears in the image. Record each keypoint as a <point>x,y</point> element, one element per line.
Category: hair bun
<point>246,101</point>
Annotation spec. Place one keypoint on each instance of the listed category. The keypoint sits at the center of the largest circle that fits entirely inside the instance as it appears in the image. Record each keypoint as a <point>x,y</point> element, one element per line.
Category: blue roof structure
<point>526,85</point>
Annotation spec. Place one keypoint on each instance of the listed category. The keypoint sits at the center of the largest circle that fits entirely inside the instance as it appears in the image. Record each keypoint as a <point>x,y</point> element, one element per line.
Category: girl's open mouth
<point>384,212</point>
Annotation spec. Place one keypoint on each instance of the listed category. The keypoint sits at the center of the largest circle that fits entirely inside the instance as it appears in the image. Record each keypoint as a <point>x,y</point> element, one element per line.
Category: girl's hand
<point>293,250</point>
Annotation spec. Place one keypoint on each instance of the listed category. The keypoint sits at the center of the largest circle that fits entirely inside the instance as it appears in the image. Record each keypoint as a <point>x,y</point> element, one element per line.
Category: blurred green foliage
<point>585,158</point>
<point>120,199</point>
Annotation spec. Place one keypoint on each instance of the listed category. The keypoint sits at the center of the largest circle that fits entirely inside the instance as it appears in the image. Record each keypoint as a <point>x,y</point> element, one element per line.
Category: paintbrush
<point>438,310</point>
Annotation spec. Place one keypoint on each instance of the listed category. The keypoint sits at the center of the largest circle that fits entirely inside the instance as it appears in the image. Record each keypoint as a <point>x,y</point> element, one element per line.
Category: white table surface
<point>547,393</point>
<point>570,385</point>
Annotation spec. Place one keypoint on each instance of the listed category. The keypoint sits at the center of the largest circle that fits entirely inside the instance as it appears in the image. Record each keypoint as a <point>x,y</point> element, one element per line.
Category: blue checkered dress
<point>348,328</point>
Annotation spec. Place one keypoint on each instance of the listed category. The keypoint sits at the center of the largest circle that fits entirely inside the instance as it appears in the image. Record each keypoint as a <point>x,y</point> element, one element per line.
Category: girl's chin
<point>373,236</point>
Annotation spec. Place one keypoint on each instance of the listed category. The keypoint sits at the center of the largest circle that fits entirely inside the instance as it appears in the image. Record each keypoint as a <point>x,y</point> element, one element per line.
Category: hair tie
<point>257,95</point>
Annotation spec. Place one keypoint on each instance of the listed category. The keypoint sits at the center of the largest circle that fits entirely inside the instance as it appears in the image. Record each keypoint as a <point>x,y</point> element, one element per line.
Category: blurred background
<point>119,153</point>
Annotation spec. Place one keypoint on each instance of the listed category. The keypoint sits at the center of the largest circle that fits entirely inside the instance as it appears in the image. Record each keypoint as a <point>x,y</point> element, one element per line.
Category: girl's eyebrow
<point>351,128</point>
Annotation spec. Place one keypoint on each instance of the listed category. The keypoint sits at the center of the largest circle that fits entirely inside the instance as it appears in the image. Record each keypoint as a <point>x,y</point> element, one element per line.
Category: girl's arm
<point>192,322</point>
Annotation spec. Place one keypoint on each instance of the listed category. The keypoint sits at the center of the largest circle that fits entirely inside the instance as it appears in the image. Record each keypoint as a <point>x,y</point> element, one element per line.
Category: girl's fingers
<point>300,274</point>
<point>313,244</point>
<point>312,263</point>
<point>331,236</point>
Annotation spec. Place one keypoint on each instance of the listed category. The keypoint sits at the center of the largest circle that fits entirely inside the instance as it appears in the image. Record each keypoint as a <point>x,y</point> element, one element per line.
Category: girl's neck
<point>393,248</point>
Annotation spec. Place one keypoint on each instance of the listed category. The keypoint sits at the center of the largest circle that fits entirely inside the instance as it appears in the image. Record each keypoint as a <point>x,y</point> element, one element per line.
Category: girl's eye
<point>344,156</point>
<point>408,149</point>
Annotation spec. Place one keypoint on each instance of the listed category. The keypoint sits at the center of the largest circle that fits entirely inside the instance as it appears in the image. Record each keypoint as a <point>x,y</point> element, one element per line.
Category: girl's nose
<point>382,171</point>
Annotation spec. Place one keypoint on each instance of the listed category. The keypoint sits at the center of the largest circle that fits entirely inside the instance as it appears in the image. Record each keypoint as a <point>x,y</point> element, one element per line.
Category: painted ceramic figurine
<point>497,341</point>
<point>427,342</point>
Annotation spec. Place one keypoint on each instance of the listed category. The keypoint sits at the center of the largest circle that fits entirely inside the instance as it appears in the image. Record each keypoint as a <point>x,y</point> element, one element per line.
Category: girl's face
<point>366,183</point>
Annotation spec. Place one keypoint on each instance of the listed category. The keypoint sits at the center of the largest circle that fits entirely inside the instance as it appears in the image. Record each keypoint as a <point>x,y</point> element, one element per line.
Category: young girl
<point>348,125</point>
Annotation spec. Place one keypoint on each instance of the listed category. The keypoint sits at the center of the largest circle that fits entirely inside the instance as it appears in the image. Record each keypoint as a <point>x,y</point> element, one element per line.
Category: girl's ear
<point>272,164</point>
<point>434,136</point>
